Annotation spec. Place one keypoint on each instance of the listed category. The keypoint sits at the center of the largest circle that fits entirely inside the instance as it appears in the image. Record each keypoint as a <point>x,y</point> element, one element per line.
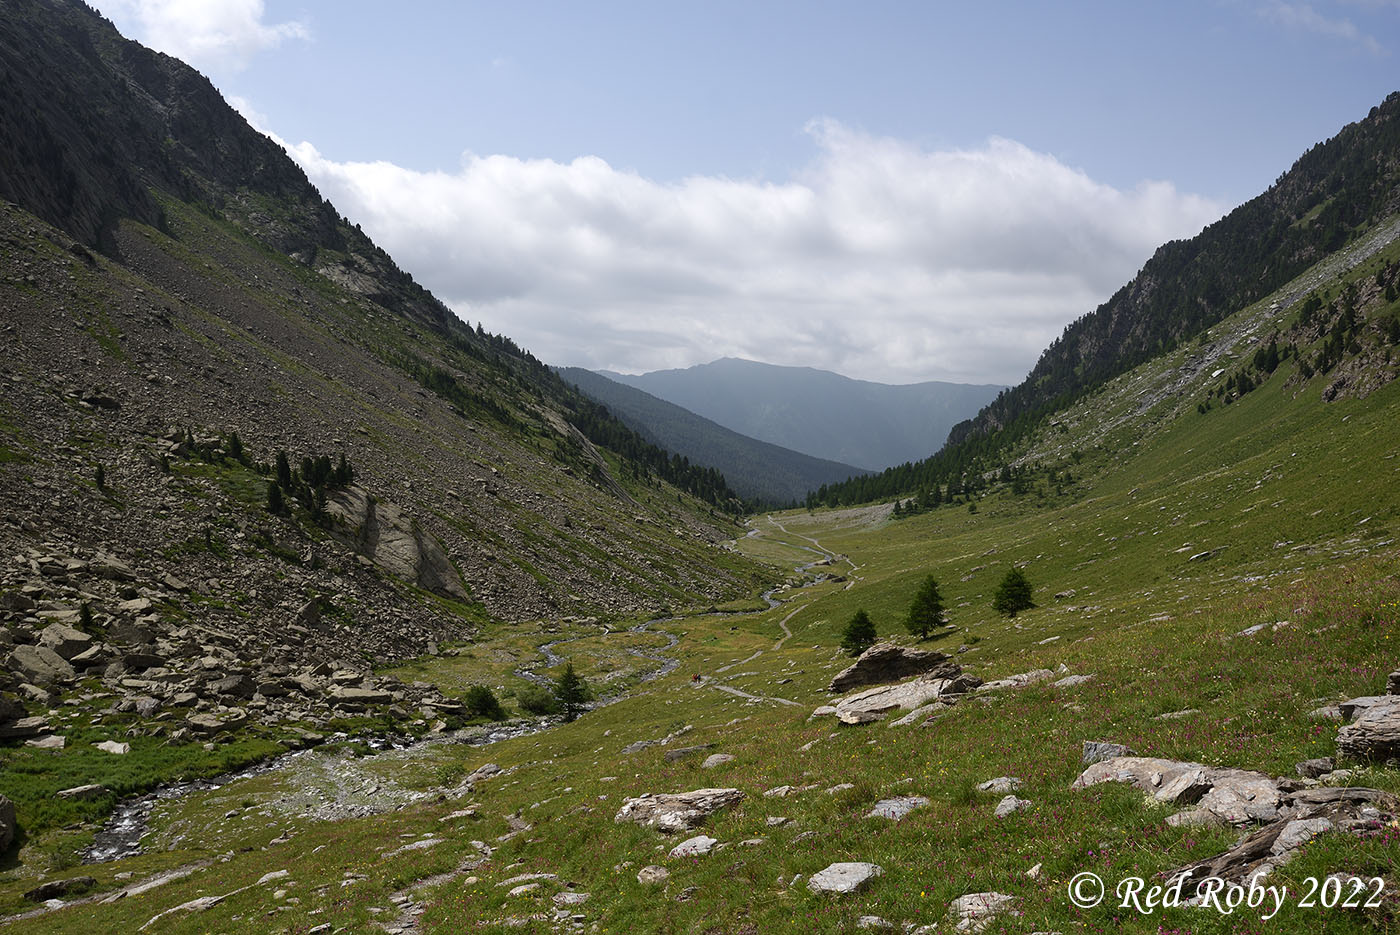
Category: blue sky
<point>897,191</point>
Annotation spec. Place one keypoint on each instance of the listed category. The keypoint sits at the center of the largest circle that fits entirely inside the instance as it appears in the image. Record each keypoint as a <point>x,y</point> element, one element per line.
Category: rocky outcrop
<point>381,532</point>
<point>672,812</point>
<point>1375,732</point>
<point>1303,814</point>
<point>885,662</point>
<point>975,911</point>
<point>940,686</point>
<point>1235,796</point>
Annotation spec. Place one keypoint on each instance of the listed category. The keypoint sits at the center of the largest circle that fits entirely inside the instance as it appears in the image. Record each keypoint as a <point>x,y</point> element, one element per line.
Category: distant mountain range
<point>822,414</point>
<point>755,469</point>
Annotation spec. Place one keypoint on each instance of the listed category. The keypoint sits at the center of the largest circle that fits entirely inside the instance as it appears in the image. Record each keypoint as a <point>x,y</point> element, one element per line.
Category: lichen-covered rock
<point>841,878</point>
<point>672,812</point>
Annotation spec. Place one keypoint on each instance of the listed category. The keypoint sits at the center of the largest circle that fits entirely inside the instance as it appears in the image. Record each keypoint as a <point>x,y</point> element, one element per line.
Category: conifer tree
<point>859,634</point>
<point>1013,595</point>
<point>926,612</point>
<point>571,691</point>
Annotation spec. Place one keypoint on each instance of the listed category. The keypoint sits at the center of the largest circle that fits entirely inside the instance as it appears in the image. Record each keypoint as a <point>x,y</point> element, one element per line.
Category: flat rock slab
<point>716,759</point>
<point>844,877</point>
<point>1096,751</point>
<point>672,812</point>
<point>873,703</point>
<point>698,846</point>
<point>1020,680</point>
<point>896,808</point>
<point>1001,784</point>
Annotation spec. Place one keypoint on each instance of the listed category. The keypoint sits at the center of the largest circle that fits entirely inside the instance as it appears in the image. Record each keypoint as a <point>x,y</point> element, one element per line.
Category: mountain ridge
<point>823,414</point>
<point>756,469</point>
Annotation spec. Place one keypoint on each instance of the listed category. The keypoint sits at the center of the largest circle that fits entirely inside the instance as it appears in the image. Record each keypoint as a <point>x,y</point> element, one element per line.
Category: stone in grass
<point>716,759</point>
<point>1096,751</point>
<point>113,746</point>
<point>1002,784</point>
<point>975,911</point>
<point>896,808</point>
<point>653,875</point>
<point>676,812</point>
<point>1011,805</point>
<point>841,878</point>
<point>697,846</point>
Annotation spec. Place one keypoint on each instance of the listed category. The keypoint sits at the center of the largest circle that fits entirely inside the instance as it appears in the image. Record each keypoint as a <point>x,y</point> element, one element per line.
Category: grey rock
<point>1234,795</point>
<point>1019,680</point>
<point>381,532</point>
<point>1096,751</point>
<point>57,889</point>
<point>697,846</point>
<point>653,875</point>
<point>1392,683</point>
<point>975,911</point>
<point>842,878</point>
<point>896,808</point>
<point>681,753</point>
<point>1312,769</point>
<point>1298,832</point>
<point>873,703</point>
<point>233,686</point>
<point>40,664</point>
<point>64,640</point>
<point>1001,784</point>
<point>83,793</point>
<point>717,759</point>
<point>1375,734</point>
<point>1070,681</point>
<point>1010,806</point>
<point>885,662</point>
<point>676,811</point>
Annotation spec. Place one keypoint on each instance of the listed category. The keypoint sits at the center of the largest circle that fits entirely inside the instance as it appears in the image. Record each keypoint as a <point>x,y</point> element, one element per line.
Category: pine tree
<point>859,634</point>
<point>284,470</point>
<point>100,476</point>
<point>276,505</point>
<point>926,612</point>
<point>1013,595</point>
<point>235,448</point>
<point>571,691</point>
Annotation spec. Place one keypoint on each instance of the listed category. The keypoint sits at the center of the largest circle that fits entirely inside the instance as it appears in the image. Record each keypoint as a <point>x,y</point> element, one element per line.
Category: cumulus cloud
<point>881,259</point>
<point>218,35</point>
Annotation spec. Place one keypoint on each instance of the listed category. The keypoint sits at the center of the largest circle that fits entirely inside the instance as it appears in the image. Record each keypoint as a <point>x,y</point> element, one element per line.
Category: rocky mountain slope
<point>822,414</point>
<point>757,470</point>
<point>180,307</point>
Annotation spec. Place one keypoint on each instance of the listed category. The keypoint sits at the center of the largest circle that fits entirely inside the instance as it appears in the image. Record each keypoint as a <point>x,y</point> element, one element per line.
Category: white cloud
<point>880,260</point>
<point>217,35</point>
<point>1303,16</point>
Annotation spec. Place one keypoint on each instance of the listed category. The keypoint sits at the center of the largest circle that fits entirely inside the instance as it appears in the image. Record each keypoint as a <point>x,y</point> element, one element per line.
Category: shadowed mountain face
<point>823,414</point>
<point>755,469</point>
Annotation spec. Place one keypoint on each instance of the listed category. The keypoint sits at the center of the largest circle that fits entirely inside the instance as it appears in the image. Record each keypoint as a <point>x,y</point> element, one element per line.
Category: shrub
<point>537,700</point>
<point>482,702</point>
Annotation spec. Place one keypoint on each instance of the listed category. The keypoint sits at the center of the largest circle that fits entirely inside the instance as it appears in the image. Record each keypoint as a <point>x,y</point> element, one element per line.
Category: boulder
<point>1096,751</point>
<point>1312,769</point>
<point>653,875</point>
<point>1375,734</point>
<point>64,640</point>
<point>23,727</point>
<point>1236,796</point>
<point>842,878</point>
<point>885,662</point>
<point>697,846</point>
<point>113,746</point>
<point>975,911</point>
<point>672,812</point>
<point>717,759</point>
<point>40,664</point>
<point>381,532</point>
<point>57,889</point>
<point>1002,784</point>
<point>83,793</point>
<point>869,705</point>
<point>1392,683</point>
<point>896,808</point>
<point>1010,806</point>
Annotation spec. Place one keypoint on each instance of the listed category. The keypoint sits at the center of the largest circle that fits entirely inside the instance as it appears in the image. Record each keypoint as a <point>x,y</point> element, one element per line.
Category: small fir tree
<point>482,702</point>
<point>571,691</point>
<point>926,612</point>
<point>859,634</point>
<point>1013,595</point>
<point>276,504</point>
<point>100,476</point>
